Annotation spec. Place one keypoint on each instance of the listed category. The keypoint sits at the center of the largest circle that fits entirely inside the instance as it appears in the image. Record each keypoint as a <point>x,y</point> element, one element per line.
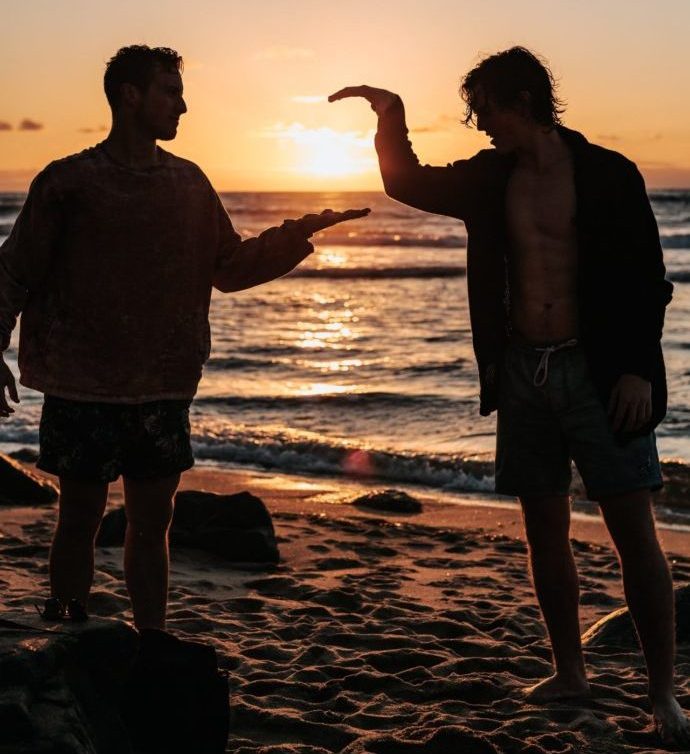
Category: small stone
<point>19,486</point>
<point>394,501</point>
<point>237,528</point>
<point>15,720</point>
<point>617,628</point>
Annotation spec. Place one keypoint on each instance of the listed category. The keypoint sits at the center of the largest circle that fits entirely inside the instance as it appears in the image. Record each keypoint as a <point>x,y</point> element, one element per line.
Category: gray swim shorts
<point>549,414</point>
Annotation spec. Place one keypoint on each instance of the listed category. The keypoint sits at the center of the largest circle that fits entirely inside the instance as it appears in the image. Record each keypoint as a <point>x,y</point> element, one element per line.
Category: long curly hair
<point>504,77</point>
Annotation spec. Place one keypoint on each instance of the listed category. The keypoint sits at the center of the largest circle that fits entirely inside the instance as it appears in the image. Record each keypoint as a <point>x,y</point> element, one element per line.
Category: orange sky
<point>257,75</point>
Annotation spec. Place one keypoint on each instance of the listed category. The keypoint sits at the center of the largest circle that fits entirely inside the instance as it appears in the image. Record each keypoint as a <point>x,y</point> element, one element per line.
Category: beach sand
<point>380,632</point>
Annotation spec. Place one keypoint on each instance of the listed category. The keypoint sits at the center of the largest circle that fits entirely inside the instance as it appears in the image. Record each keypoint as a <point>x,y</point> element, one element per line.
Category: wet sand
<point>380,632</point>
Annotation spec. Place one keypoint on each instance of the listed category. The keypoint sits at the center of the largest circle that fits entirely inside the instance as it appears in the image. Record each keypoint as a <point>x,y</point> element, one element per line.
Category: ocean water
<point>360,362</point>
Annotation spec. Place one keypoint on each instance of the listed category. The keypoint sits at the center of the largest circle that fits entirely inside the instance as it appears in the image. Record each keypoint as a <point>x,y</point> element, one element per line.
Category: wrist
<point>297,227</point>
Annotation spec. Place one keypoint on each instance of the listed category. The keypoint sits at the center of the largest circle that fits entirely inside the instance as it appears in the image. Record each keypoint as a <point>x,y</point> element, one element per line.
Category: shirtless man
<point>567,297</point>
<point>111,263</point>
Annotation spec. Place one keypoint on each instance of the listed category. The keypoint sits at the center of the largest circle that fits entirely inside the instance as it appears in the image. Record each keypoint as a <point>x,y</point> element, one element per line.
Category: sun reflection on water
<point>326,257</point>
<point>323,388</point>
<point>334,365</point>
<point>328,326</point>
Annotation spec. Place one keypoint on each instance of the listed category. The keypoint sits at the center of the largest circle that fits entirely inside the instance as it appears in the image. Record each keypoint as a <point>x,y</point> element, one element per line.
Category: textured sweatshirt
<point>112,269</point>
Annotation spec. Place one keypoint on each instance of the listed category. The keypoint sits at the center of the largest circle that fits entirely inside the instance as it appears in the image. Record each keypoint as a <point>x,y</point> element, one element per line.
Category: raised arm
<point>445,190</point>
<point>273,253</point>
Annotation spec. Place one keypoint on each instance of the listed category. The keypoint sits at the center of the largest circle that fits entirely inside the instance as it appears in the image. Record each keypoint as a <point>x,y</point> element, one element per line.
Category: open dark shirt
<point>622,290</point>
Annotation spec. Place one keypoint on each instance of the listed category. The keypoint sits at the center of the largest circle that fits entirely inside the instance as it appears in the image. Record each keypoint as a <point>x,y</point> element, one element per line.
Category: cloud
<point>30,125</point>
<point>282,52</point>
<point>309,99</point>
<point>5,126</point>
<point>632,137</point>
<point>89,130</point>
<point>441,124</point>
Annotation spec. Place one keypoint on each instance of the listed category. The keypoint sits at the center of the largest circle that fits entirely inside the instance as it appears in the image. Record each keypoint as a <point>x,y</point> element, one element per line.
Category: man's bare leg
<point>80,511</point>
<point>547,526</point>
<point>649,594</point>
<point>149,508</point>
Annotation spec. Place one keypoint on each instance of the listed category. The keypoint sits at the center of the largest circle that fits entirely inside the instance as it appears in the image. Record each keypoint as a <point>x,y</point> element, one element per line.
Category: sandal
<point>53,609</point>
<point>77,611</point>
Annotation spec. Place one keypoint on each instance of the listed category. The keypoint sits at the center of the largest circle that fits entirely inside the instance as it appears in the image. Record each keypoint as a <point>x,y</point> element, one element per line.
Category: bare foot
<point>671,723</point>
<point>556,689</point>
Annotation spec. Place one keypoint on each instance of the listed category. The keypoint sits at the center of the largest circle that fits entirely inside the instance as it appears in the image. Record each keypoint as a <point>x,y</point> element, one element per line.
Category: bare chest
<point>540,209</point>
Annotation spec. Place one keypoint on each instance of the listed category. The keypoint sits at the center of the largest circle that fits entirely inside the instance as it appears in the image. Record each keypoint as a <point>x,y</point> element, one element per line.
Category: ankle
<point>575,674</point>
<point>661,697</point>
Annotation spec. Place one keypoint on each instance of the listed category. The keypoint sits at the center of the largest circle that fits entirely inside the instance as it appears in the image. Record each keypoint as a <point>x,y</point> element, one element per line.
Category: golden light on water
<point>329,258</point>
<point>330,327</point>
<point>323,388</point>
<point>334,365</point>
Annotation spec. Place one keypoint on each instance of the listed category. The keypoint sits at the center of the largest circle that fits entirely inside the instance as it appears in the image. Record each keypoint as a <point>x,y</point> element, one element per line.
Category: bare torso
<point>542,264</point>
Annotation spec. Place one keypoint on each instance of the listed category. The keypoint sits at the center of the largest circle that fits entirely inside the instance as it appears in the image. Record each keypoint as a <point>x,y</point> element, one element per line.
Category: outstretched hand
<point>7,383</point>
<point>379,99</point>
<point>313,223</point>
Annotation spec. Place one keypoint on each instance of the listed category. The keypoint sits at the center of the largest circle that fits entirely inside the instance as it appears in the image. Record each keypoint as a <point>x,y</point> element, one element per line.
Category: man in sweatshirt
<point>111,263</point>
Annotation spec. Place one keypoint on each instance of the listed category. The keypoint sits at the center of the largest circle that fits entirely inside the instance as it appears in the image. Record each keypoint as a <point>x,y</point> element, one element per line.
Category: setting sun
<point>326,151</point>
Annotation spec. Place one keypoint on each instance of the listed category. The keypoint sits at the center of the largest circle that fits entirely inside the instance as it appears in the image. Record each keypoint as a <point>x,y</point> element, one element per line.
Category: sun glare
<point>327,152</point>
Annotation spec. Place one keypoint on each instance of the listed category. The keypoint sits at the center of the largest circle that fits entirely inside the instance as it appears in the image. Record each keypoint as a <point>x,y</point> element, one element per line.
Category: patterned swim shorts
<point>99,441</point>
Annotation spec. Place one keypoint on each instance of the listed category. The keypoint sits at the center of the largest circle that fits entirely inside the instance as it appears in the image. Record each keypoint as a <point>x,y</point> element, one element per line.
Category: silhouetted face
<point>159,108</point>
<point>506,127</point>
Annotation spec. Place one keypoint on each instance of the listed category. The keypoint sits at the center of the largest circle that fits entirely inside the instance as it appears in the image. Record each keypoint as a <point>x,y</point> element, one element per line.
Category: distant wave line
<point>377,273</point>
<point>675,241</point>
<point>338,400</point>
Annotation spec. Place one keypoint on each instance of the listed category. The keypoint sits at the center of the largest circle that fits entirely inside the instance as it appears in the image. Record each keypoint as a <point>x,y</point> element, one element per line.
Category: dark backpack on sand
<point>176,699</point>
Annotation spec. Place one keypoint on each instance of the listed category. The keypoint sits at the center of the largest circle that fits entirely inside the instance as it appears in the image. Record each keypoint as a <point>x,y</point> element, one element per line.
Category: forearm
<point>12,298</point>
<point>272,254</point>
<point>642,329</point>
<point>642,279</point>
<point>27,254</point>
<point>444,190</point>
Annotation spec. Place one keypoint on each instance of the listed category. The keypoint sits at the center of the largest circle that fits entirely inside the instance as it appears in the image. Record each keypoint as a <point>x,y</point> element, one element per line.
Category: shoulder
<point>183,167</point>
<point>65,170</point>
<point>595,157</point>
<point>488,160</point>
<point>487,170</point>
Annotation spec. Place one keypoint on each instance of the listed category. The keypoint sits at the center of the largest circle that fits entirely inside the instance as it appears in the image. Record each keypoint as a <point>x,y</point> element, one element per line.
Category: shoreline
<point>331,496</point>
<point>371,616</point>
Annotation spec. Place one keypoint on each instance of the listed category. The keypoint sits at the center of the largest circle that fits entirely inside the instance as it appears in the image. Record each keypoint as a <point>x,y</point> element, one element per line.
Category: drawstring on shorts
<point>542,371</point>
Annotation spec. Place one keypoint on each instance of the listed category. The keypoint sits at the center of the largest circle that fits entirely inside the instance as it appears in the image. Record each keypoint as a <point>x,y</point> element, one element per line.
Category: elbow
<point>393,187</point>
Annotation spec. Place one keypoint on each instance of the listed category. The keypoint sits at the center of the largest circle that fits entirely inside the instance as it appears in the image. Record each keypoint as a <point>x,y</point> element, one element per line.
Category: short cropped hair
<point>504,76</point>
<point>137,65</point>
